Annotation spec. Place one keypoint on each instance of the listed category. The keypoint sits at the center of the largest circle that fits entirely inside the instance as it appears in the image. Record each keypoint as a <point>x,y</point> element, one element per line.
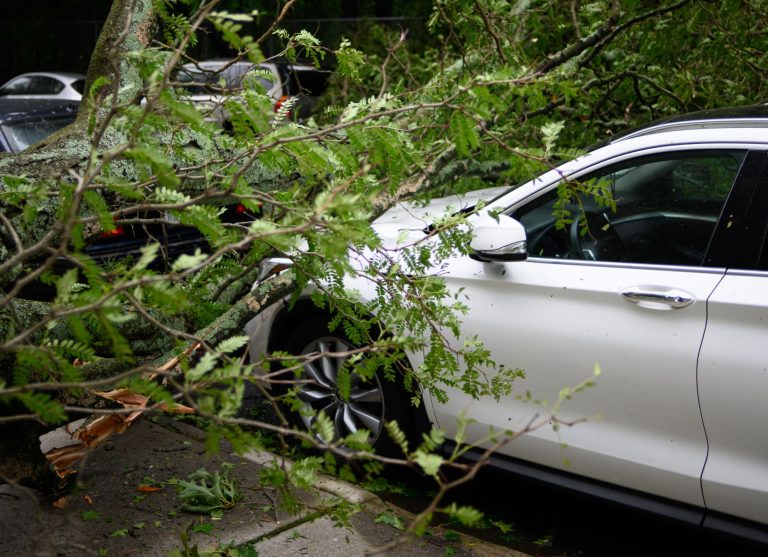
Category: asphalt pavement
<point>125,503</point>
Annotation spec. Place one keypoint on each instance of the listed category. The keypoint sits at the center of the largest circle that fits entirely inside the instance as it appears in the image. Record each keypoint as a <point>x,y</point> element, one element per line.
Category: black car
<point>24,122</point>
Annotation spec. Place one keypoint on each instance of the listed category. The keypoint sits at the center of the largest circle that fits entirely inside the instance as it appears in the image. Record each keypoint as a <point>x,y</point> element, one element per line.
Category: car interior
<point>660,210</point>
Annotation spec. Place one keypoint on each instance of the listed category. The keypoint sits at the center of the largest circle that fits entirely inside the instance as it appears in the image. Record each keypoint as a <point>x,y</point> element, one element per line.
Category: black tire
<point>371,403</point>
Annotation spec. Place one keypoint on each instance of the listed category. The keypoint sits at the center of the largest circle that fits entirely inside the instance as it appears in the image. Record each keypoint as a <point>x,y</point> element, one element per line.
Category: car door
<point>733,376</point>
<point>621,287</point>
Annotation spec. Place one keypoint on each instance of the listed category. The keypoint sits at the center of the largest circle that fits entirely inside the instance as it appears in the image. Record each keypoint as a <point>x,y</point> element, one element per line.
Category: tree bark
<point>131,25</point>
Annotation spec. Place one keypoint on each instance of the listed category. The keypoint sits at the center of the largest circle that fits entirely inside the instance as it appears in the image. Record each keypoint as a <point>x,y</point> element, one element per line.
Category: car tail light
<point>117,231</point>
<point>280,102</point>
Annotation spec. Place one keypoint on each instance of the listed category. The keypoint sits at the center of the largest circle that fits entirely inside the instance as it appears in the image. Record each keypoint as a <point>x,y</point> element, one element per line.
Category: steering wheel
<point>600,241</point>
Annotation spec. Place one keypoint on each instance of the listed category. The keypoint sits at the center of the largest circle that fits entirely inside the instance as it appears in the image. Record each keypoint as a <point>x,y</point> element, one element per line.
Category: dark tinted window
<point>17,86</point>
<point>306,82</point>
<point>660,210</point>
<point>79,86</point>
<point>23,134</point>
<point>215,81</point>
<point>40,85</point>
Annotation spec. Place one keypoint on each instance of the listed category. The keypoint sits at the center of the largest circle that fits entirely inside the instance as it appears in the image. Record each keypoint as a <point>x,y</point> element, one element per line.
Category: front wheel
<point>371,402</point>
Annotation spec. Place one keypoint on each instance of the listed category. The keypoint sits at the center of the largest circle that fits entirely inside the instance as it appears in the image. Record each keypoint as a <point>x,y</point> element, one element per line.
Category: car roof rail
<point>741,117</point>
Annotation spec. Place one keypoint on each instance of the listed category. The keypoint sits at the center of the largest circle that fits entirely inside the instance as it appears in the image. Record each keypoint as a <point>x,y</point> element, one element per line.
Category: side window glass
<point>656,209</point>
<point>79,85</point>
<point>16,87</point>
<point>40,85</point>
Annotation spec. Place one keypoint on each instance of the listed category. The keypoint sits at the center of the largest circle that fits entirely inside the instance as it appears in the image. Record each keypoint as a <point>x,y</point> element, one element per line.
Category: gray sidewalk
<point>108,515</point>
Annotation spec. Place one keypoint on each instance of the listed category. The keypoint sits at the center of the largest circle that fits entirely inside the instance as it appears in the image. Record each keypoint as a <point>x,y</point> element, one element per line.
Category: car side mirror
<point>498,239</point>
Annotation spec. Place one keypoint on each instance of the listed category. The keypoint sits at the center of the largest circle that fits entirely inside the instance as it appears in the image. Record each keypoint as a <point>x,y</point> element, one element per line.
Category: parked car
<point>24,122</point>
<point>210,82</point>
<point>668,294</point>
<point>45,85</point>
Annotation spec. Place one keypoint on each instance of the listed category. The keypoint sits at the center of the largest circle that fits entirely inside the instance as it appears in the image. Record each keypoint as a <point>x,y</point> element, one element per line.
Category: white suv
<point>668,293</point>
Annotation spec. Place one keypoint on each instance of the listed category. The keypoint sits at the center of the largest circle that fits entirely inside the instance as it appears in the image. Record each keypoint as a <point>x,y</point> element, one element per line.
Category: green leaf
<point>186,261</point>
<point>166,195</point>
<point>504,527</point>
<point>203,528</point>
<point>203,492</point>
<point>451,536</point>
<point>467,516</point>
<point>323,425</point>
<point>158,163</point>
<point>205,365</point>
<point>148,255</point>
<point>222,15</point>
<point>464,134</point>
<point>397,435</point>
<point>390,519</point>
<point>550,132</point>
<point>349,60</point>
<point>46,409</point>
<point>231,344</point>
<point>97,203</point>
<point>344,382</point>
<point>430,463</point>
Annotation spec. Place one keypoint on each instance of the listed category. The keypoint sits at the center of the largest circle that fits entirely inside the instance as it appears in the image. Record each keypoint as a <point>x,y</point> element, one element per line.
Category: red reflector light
<point>280,102</point>
<point>118,231</point>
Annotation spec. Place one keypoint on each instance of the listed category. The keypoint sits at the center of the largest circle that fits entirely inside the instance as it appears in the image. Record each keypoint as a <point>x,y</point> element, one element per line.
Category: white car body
<point>44,85</point>
<point>676,421</point>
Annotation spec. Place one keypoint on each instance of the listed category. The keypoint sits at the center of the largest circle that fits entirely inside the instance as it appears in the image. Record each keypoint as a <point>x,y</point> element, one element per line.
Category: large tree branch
<point>560,58</point>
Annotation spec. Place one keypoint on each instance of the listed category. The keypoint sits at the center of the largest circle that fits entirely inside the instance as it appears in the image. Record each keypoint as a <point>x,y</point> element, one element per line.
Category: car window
<point>200,83</point>
<point>306,82</point>
<point>16,87</point>
<point>78,85</point>
<point>24,134</point>
<point>213,81</point>
<point>660,209</point>
<point>41,85</point>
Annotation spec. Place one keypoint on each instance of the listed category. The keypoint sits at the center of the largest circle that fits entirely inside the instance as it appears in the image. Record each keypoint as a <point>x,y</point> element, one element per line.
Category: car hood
<point>407,221</point>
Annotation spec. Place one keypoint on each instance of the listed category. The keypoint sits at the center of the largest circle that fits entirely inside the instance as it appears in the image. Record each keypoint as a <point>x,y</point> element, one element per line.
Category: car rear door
<point>628,294</point>
<point>733,376</point>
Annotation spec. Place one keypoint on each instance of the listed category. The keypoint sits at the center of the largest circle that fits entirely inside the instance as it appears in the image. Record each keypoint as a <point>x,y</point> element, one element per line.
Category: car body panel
<point>733,381</point>
<point>71,86</point>
<point>558,320</point>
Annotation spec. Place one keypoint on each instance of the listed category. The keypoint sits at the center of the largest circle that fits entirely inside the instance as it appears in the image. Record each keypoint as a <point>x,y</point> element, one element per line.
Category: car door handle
<point>673,298</point>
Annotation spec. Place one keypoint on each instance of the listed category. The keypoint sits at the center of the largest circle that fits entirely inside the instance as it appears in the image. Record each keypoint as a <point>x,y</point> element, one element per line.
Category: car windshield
<point>214,82</point>
<point>199,83</point>
<point>24,134</point>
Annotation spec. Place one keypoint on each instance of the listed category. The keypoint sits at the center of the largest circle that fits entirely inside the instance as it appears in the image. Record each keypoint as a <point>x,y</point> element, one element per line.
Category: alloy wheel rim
<point>364,409</point>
